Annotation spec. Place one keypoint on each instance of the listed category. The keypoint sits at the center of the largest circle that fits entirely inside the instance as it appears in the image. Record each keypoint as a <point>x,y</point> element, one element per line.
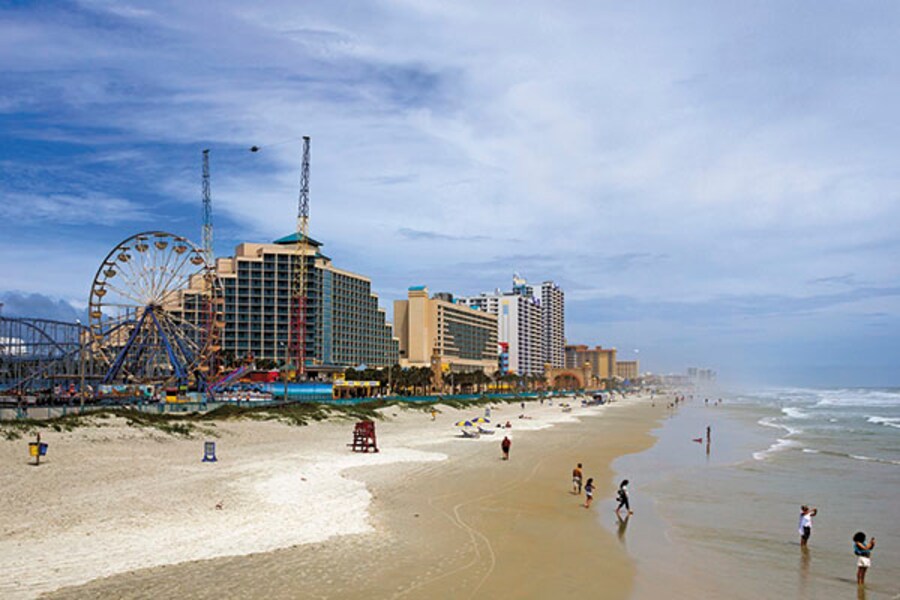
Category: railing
<point>36,412</point>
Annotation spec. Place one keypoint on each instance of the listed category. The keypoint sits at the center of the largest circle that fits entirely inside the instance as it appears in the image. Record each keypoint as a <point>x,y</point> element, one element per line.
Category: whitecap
<point>794,413</point>
<point>887,421</point>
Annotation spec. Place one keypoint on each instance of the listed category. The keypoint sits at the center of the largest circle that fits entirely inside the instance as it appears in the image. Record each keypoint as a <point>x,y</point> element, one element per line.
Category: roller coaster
<point>154,321</point>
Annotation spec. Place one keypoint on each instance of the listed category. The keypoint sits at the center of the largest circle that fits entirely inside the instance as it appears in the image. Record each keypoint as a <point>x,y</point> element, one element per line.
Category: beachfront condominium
<point>441,330</point>
<point>519,325</point>
<point>344,325</point>
<point>627,369</point>
<point>602,360</point>
<point>553,322</point>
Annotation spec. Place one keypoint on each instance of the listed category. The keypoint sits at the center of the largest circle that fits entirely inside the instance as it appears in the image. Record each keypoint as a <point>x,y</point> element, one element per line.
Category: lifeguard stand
<point>364,437</point>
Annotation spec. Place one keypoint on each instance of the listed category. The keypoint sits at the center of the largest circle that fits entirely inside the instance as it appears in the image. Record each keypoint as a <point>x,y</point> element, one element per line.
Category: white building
<point>553,322</point>
<point>520,324</point>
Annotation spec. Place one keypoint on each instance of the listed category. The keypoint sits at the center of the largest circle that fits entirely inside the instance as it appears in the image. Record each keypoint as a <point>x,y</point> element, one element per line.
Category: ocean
<point>722,521</point>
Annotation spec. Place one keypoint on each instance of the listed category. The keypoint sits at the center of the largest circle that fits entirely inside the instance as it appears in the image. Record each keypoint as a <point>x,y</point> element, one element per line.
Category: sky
<point>712,183</point>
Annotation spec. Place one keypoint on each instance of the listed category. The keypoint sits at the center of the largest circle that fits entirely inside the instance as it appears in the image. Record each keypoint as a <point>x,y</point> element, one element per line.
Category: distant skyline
<point>712,183</point>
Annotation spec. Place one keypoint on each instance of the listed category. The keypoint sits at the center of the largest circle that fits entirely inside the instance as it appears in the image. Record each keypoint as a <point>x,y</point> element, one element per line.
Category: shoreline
<point>724,523</point>
<point>372,484</point>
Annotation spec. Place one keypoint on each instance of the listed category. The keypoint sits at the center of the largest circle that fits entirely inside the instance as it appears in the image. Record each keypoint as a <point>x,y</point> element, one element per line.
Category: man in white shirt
<point>806,515</point>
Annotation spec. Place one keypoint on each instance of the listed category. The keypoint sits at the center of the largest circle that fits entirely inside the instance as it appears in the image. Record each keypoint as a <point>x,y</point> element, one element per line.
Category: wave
<point>888,421</point>
<point>772,422</point>
<point>885,461</point>
<point>859,397</point>
<point>794,413</point>
<point>781,443</point>
<point>778,446</point>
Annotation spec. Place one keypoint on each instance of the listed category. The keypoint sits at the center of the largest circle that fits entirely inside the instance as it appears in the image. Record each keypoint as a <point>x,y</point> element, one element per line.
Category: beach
<point>116,511</point>
<point>120,512</point>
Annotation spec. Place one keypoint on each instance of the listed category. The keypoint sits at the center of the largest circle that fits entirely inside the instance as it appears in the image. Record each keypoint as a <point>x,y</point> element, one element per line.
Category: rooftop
<point>294,237</point>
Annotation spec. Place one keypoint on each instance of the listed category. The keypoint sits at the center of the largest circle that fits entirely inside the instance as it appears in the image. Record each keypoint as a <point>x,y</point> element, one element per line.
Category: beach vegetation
<point>194,423</point>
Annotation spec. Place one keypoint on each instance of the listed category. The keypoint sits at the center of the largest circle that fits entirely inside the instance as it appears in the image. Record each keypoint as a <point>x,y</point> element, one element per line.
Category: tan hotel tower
<point>461,338</point>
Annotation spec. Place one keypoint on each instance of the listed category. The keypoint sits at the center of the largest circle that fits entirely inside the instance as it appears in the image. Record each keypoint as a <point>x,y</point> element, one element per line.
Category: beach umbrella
<point>480,420</point>
<point>464,423</point>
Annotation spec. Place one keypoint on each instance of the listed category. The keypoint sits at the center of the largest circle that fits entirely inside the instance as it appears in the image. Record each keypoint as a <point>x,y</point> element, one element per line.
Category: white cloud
<point>731,141</point>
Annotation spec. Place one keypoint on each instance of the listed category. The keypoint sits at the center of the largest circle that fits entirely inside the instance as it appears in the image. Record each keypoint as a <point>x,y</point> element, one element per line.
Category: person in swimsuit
<point>577,476</point>
<point>504,445</point>
<point>589,492</point>
<point>863,552</point>
<point>805,527</point>
<point>623,498</point>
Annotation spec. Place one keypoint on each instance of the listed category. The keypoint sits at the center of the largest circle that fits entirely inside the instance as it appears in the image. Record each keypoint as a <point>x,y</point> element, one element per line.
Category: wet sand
<point>471,526</point>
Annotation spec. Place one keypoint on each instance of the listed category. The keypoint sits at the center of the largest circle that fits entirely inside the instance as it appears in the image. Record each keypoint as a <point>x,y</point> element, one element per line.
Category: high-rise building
<point>438,329</point>
<point>553,323</point>
<point>602,360</point>
<point>344,325</point>
<point>519,324</point>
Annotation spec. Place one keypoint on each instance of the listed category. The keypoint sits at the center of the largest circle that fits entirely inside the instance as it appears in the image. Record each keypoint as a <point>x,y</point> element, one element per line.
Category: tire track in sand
<point>474,535</point>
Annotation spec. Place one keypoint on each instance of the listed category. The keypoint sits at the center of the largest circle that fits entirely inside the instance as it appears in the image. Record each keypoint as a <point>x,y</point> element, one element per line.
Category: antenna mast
<point>297,339</point>
<point>207,212</point>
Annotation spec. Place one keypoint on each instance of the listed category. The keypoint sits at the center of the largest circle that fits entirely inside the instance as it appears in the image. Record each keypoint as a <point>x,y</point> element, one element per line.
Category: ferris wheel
<point>156,311</point>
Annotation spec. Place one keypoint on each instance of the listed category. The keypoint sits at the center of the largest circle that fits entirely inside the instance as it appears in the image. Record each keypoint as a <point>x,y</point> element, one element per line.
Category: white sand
<point>113,499</point>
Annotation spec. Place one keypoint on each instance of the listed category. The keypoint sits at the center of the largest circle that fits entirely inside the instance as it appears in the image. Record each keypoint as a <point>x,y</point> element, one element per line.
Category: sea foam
<point>888,421</point>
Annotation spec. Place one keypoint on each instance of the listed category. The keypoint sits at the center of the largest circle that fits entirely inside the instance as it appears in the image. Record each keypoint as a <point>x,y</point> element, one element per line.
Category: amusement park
<point>143,339</point>
<point>156,332</point>
<point>153,330</point>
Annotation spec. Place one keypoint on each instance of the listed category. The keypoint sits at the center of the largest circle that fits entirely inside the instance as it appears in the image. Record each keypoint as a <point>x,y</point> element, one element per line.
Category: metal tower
<point>297,335</point>
<point>207,212</point>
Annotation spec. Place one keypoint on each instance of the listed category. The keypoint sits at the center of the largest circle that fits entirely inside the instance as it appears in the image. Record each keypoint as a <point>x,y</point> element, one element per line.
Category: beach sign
<point>209,452</point>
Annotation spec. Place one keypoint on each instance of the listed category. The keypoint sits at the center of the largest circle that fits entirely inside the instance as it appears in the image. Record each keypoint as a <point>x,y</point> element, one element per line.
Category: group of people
<point>621,495</point>
<point>862,549</point>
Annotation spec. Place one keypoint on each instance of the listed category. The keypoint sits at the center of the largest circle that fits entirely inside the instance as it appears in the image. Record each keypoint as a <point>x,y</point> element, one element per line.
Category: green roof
<point>292,239</point>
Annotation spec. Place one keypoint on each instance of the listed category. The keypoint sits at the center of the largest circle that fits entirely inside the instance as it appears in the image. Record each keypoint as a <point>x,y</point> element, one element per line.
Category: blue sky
<point>712,183</point>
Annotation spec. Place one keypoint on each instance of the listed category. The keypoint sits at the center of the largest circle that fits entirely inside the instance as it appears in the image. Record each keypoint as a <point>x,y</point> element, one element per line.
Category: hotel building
<point>519,325</point>
<point>438,329</point>
<point>344,325</point>
<point>553,322</point>
<point>602,360</point>
<point>627,369</point>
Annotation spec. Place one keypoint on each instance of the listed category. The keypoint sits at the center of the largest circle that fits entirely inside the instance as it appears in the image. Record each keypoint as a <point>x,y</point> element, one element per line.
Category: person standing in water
<point>805,527</point>
<point>504,445</point>
<point>589,492</point>
<point>863,552</point>
<point>623,499</point>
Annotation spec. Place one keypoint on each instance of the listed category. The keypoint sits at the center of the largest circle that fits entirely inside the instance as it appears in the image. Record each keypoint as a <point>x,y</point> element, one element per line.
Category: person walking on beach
<point>863,552</point>
<point>576,479</point>
<point>622,497</point>
<point>805,527</point>
<point>504,445</point>
<point>589,492</point>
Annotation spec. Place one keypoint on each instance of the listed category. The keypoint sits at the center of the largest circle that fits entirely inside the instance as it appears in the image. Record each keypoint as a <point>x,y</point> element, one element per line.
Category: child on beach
<point>504,445</point>
<point>863,554</point>
<point>805,527</point>
<point>576,479</point>
<point>622,497</point>
<point>589,492</point>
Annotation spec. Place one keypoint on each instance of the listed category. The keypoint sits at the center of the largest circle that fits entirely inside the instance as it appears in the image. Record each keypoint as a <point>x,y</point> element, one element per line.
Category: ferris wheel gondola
<point>156,311</point>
